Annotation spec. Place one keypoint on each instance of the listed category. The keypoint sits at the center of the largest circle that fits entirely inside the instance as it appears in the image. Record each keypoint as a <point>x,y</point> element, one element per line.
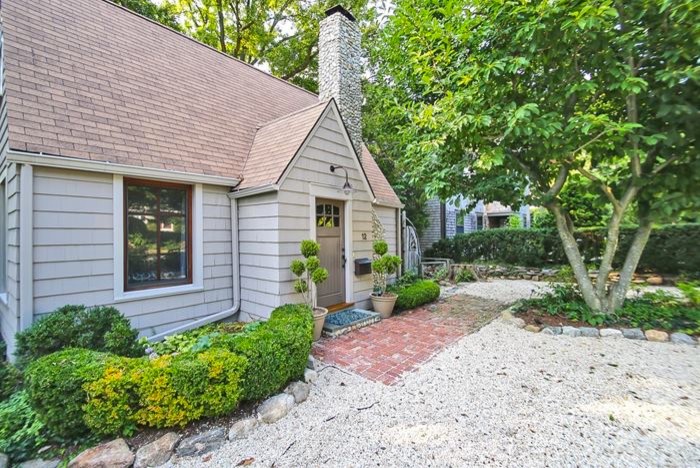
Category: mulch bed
<point>543,319</point>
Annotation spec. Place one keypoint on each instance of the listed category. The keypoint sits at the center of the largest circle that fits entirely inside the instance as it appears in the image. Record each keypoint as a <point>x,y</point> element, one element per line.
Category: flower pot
<point>319,319</point>
<point>384,304</point>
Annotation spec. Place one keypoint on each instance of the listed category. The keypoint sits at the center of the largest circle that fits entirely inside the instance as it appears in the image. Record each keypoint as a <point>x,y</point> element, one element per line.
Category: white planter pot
<point>384,304</point>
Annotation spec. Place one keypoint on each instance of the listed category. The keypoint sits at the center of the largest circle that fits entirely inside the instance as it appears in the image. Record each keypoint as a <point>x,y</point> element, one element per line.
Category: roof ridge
<point>242,62</point>
<point>278,119</point>
<point>286,116</point>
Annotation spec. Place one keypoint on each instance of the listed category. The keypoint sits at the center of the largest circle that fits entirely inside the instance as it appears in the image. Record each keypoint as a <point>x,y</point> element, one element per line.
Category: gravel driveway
<point>503,397</point>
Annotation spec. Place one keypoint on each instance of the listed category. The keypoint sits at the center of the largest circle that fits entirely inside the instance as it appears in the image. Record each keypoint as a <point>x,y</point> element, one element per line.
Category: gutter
<point>236,282</point>
<point>63,162</point>
<point>241,193</point>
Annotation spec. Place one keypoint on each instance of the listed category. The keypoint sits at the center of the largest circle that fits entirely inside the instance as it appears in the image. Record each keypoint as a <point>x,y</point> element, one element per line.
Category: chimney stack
<point>340,69</point>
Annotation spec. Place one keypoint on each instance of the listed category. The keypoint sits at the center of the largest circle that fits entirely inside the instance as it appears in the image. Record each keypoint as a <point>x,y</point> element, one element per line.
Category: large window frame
<point>189,244</point>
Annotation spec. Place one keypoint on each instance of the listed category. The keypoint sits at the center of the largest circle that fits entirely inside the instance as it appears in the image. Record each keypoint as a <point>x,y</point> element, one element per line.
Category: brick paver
<point>387,350</point>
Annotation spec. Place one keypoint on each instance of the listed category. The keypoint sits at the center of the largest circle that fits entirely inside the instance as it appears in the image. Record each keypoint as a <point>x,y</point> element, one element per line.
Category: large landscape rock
<point>157,452</point>
<point>532,328</point>
<point>552,330</point>
<point>114,454</point>
<point>570,331</point>
<point>242,428</point>
<point>633,334</point>
<point>656,335</point>
<point>310,376</point>
<point>299,390</point>
<point>275,408</point>
<point>199,444</point>
<point>682,338</point>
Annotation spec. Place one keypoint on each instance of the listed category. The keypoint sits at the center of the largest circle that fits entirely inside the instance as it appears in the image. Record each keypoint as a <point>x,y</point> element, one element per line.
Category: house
<point>142,169</point>
<point>445,220</point>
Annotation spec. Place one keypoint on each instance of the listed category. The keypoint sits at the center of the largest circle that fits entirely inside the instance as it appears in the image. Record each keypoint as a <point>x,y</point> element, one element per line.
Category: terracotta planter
<point>384,304</point>
<point>319,319</point>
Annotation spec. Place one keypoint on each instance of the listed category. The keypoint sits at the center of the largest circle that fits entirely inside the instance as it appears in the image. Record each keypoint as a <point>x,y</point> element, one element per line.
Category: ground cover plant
<point>647,310</point>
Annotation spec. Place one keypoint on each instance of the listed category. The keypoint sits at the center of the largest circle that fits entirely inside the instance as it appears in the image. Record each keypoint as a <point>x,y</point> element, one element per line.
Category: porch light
<point>347,188</point>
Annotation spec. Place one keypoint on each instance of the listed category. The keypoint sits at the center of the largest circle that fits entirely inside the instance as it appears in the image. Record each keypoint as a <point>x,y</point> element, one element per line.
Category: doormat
<point>344,321</point>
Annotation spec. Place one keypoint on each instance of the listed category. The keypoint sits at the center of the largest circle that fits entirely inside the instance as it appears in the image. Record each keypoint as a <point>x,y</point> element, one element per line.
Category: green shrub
<point>691,291</point>
<point>164,392</point>
<point>55,387</point>
<point>22,433</point>
<point>658,309</point>
<point>416,294</point>
<point>668,249</point>
<point>465,275</point>
<point>10,380</point>
<point>76,326</point>
<point>277,350</point>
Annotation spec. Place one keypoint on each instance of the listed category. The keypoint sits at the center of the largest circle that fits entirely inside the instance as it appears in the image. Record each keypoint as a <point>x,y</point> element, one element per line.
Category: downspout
<point>236,282</point>
<point>26,246</point>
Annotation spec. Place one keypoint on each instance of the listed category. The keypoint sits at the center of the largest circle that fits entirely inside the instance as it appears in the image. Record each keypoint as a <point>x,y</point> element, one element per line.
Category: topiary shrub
<point>55,383</point>
<point>277,350</point>
<point>10,380</point>
<point>77,326</point>
<point>414,295</point>
<point>22,433</point>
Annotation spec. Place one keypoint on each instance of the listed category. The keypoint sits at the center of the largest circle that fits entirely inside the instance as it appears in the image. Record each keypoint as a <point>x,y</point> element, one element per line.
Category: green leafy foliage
<point>95,328</point>
<point>514,222</point>
<point>277,350</point>
<point>666,251</point>
<point>78,392</point>
<point>22,433</point>
<point>380,247</point>
<point>416,294</point>
<point>308,271</point>
<point>10,380</point>
<point>383,265</point>
<point>527,102</point>
<point>659,310</point>
<point>55,383</point>
<point>465,275</point>
<point>691,291</point>
<point>195,340</point>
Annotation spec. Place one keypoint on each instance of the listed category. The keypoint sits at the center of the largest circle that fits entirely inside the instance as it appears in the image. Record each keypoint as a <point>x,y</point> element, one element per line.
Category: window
<point>327,215</point>
<point>158,234</point>
<point>479,221</point>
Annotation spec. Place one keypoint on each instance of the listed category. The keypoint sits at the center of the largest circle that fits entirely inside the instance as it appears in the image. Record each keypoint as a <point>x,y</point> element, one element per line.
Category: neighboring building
<point>451,218</point>
<point>142,169</point>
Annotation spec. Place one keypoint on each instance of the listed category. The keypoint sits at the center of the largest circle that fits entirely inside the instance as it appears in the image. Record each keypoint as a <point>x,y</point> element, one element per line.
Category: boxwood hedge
<point>416,294</point>
<point>79,391</point>
<point>669,250</point>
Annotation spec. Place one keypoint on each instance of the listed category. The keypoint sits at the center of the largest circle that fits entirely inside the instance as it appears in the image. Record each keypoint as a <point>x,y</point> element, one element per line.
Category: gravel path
<point>501,397</point>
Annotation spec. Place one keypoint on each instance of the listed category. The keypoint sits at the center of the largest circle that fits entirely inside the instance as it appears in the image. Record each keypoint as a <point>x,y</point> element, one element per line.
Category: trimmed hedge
<point>416,294</point>
<point>670,248</point>
<point>10,380</point>
<point>76,326</point>
<point>79,391</point>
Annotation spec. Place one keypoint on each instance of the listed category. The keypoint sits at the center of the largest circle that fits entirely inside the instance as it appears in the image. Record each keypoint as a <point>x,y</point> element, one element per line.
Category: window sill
<point>157,292</point>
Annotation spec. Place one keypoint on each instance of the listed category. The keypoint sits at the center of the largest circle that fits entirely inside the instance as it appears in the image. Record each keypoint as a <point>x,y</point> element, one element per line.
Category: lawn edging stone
<point>660,336</point>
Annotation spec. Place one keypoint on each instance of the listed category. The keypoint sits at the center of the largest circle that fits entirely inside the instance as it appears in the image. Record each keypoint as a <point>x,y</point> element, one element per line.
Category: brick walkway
<point>387,350</point>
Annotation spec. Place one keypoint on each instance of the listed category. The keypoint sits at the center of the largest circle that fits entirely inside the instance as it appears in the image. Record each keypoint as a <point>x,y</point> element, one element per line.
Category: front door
<point>329,233</point>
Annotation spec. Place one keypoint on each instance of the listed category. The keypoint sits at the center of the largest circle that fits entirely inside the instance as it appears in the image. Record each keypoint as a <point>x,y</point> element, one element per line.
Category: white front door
<point>329,234</point>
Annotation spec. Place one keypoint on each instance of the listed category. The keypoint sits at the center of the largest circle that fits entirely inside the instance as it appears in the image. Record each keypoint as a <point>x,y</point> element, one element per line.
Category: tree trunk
<point>222,29</point>
<point>619,291</point>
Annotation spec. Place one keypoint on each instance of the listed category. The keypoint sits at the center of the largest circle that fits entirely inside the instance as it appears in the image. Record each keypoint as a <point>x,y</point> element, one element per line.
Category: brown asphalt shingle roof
<point>87,79</point>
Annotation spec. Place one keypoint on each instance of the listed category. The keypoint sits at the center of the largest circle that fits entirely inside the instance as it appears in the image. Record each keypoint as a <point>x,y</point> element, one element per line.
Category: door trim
<point>332,193</point>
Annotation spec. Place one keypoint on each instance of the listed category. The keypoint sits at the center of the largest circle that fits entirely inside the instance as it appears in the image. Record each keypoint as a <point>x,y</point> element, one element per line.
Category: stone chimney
<point>340,69</point>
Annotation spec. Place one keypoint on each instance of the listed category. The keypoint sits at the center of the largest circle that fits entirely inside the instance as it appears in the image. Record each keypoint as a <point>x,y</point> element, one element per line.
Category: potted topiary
<point>383,265</point>
<point>309,274</point>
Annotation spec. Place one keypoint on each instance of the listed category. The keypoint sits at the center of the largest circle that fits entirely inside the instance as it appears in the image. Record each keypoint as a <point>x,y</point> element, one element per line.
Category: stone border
<point>116,453</point>
<point>629,333</point>
<point>332,331</point>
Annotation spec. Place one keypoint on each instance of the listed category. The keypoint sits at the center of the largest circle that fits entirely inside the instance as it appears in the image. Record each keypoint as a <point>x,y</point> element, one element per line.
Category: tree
<point>281,35</point>
<point>163,13</point>
<point>501,95</point>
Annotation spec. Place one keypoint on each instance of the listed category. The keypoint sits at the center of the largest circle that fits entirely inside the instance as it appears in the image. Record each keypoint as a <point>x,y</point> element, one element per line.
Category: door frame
<point>332,193</point>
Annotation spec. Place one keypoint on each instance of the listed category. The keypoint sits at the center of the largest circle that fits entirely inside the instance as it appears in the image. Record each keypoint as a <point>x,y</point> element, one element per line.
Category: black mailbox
<point>363,266</point>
